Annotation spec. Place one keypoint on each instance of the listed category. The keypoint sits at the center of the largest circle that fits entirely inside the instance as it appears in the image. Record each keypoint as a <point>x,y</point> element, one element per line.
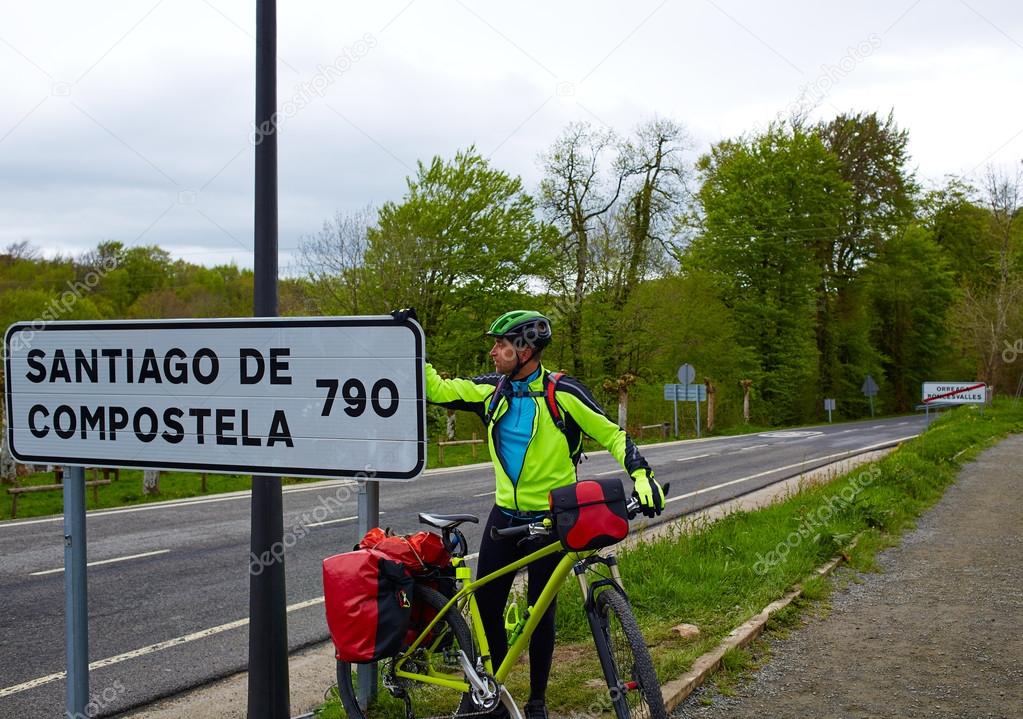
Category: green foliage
<point>765,199</point>
<point>459,247</point>
<point>911,288</point>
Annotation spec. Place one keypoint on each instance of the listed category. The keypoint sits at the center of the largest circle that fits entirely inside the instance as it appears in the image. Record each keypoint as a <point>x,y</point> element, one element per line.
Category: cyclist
<point>532,455</point>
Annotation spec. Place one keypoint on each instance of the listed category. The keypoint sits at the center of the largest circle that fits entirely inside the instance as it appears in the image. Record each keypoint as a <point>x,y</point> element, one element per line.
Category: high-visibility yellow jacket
<point>551,454</point>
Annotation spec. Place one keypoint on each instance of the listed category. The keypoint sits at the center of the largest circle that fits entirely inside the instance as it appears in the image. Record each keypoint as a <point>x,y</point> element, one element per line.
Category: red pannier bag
<point>368,599</point>
<point>421,553</point>
<point>426,559</point>
<point>590,514</point>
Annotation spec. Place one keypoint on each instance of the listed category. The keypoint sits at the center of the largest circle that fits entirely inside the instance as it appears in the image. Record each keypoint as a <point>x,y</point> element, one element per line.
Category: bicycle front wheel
<point>629,668</point>
<point>437,656</point>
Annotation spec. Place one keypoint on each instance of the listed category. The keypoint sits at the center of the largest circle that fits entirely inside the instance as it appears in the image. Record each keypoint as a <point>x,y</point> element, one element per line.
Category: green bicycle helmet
<point>523,326</point>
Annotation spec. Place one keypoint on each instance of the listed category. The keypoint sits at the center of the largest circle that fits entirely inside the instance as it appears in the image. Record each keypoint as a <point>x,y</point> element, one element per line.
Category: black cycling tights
<point>493,597</point>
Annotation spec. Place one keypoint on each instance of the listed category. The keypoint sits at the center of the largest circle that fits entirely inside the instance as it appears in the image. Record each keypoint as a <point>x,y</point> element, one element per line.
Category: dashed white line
<point>698,456</point>
<point>485,494</point>
<point>333,521</point>
<point>610,471</point>
<point>142,651</point>
<point>103,561</point>
<point>752,446</point>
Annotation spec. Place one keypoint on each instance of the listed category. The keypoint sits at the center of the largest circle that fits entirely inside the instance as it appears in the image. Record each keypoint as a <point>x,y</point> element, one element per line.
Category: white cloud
<point>147,132</point>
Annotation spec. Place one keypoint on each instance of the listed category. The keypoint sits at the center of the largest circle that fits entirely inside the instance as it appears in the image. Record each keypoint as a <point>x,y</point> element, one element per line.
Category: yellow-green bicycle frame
<point>467,593</point>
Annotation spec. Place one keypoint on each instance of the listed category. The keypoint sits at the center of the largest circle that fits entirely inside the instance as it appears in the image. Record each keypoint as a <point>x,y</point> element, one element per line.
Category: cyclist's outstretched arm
<point>467,394</point>
<point>591,418</point>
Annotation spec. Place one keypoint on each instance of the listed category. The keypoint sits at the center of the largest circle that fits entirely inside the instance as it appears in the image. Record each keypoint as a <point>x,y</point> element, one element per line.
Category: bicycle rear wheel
<point>438,655</point>
<point>628,666</point>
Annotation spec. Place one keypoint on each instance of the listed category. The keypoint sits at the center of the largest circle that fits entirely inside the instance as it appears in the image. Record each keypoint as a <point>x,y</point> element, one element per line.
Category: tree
<point>912,287</point>
<point>872,158</point>
<point>764,203</point>
<point>577,190</point>
<point>989,316</point>
<point>637,241</point>
<point>461,244</point>
<point>334,262</point>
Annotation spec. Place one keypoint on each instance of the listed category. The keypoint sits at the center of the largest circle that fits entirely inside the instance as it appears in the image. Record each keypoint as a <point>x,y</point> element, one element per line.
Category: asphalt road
<point>171,612</point>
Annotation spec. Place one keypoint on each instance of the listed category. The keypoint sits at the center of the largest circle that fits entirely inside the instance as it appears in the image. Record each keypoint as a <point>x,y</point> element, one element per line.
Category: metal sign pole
<point>871,406</point>
<point>697,410</point>
<point>369,517</point>
<point>674,396</point>
<point>268,694</point>
<point>75,588</point>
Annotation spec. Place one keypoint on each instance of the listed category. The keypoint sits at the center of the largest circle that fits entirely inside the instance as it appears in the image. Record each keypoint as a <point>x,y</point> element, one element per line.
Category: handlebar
<point>544,526</point>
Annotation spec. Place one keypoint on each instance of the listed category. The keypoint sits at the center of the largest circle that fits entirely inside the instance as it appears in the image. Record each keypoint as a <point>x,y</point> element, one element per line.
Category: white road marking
<point>142,651</point>
<point>174,504</point>
<point>333,521</point>
<point>698,456</point>
<point>877,426</point>
<point>485,494</point>
<point>611,471</point>
<point>781,469</point>
<point>901,424</point>
<point>103,561</point>
<point>752,446</point>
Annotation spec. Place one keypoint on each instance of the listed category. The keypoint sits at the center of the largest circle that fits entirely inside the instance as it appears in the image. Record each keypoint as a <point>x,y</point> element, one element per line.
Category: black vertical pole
<point>268,618</point>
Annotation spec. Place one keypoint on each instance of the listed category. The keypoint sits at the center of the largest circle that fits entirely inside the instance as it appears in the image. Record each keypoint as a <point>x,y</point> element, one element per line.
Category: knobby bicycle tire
<point>636,692</point>
<point>427,700</point>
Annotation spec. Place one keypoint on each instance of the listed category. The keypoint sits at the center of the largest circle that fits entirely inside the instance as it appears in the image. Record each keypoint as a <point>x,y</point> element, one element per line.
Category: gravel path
<point>938,634</point>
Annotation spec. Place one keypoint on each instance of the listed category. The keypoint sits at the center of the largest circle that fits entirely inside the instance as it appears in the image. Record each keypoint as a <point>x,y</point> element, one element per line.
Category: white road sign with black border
<point>954,392</point>
<point>313,397</point>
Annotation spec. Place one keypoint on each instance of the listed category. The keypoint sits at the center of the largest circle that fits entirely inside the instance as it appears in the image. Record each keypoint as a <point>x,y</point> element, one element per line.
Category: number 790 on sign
<point>353,392</point>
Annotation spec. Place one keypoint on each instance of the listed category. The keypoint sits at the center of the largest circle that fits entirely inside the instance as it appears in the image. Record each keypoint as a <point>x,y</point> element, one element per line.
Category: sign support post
<point>75,588</point>
<point>268,692</point>
<point>675,397</point>
<point>697,414</point>
<point>369,517</point>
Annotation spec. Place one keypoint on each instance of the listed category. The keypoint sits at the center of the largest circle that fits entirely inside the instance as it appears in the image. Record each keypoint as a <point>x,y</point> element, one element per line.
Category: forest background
<point>800,258</point>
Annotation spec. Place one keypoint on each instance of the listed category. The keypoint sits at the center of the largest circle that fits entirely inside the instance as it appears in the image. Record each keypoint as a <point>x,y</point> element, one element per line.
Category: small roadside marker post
<point>75,588</point>
<point>869,389</point>
<point>829,405</point>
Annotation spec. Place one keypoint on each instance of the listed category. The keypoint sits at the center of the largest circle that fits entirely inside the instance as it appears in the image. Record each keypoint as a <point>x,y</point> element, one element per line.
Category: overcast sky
<point>132,121</point>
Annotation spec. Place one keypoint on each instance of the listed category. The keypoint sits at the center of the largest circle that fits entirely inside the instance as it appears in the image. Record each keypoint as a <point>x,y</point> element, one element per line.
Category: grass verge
<point>718,575</point>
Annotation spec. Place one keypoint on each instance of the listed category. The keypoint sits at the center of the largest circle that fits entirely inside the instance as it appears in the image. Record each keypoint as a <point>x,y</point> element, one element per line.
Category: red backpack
<point>368,600</point>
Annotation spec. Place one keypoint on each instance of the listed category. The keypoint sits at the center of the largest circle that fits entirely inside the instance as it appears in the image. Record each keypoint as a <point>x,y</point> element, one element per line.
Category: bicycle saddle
<point>447,521</point>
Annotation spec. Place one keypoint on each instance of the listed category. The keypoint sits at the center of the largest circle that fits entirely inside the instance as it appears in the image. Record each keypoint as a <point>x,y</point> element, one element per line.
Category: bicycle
<point>446,670</point>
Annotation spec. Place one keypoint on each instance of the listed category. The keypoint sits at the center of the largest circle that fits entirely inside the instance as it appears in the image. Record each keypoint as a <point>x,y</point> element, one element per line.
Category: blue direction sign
<point>685,392</point>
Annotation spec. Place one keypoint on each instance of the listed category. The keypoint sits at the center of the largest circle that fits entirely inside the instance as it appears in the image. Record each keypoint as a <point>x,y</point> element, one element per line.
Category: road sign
<point>869,388</point>
<point>686,373</point>
<point>954,393</point>
<point>829,404</point>
<point>313,397</point>
<point>685,392</point>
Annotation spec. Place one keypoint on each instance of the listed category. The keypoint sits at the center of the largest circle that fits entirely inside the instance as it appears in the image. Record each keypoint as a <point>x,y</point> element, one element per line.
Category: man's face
<point>504,355</point>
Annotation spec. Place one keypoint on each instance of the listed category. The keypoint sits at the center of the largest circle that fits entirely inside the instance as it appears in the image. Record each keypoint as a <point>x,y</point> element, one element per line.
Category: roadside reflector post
<point>369,517</point>
<point>75,587</point>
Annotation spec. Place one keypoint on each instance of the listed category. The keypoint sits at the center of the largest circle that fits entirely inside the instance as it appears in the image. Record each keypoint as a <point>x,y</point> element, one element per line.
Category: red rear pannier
<point>368,599</point>
<point>590,514</point>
